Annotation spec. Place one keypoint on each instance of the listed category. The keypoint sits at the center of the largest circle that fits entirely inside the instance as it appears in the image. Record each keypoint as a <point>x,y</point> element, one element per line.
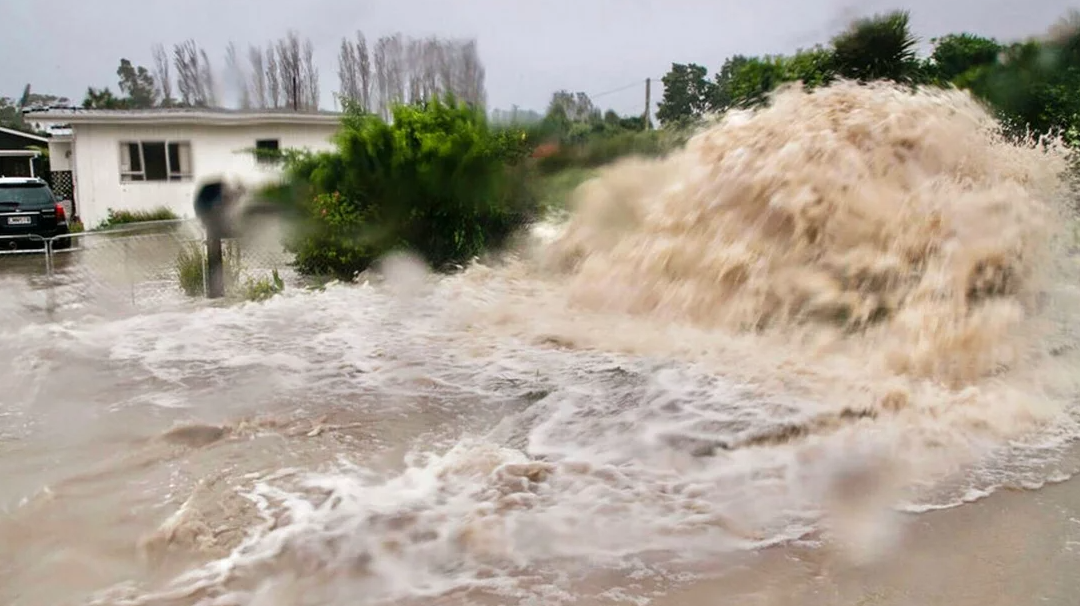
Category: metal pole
<point>127,270</point>
<point>50,285</point>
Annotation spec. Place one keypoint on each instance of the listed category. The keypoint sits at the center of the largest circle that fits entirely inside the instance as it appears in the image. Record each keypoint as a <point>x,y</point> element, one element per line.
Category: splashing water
<point>862,208</point>
<point>845,301</point>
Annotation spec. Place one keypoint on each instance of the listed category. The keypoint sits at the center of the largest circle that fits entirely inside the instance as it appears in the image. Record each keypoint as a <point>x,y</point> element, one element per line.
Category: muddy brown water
<point>589,422</point>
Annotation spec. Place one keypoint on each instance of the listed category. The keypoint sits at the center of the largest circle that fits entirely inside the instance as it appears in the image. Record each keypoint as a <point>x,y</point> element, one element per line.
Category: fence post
<point>210,203</point>
<point>50,282</point>
<point>215,265</point>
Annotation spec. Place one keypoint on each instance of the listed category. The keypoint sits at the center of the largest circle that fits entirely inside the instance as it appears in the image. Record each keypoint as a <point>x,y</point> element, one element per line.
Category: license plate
<point>18,221</point>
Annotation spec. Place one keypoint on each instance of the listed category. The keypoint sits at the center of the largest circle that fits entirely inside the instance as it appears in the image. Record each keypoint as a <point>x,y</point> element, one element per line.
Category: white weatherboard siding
<point>215,150</point>
<point>60,154</point>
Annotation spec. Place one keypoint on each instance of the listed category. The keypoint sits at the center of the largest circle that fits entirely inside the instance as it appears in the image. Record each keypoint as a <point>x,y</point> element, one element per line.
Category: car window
<point>29,195</point>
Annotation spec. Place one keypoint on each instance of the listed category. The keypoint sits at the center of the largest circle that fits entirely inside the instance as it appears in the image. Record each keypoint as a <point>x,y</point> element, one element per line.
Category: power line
<point>617,90</point>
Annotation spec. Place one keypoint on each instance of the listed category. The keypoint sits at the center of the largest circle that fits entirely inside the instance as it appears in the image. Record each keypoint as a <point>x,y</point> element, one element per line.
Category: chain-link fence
<point>148,266</point>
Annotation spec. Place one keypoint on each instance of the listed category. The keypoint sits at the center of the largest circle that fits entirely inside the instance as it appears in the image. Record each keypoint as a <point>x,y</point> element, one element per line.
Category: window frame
<point>171,175</point>
<point>270,156</point>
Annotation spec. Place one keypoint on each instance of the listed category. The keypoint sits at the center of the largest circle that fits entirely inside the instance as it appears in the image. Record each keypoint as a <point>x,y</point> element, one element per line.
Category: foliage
<point>956,55</point>
<point>116,218</point>
<point>437,180</point>
<point>606,146</point>
<point>1031,84</point>
<point>103,99</point>
<point>137,83</point>
<point>555,189</point>
<point>11,110</point>
<point>263,288</point>
<point>755,79</point>
<point>877,48</point>
<point>688,94</point>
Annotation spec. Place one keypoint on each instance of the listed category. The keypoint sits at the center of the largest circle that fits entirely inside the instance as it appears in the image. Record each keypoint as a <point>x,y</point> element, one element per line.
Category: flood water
<point>806,324</point>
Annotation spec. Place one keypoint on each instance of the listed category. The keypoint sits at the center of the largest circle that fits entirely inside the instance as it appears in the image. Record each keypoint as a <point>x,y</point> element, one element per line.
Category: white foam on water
<point>810,318</point>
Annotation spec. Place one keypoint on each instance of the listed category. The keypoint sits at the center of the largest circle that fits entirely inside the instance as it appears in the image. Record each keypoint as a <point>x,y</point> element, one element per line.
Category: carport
<point>18,162</point>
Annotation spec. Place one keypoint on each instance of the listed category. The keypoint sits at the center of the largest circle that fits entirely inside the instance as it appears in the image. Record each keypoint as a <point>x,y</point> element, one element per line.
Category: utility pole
<point>648,90</point>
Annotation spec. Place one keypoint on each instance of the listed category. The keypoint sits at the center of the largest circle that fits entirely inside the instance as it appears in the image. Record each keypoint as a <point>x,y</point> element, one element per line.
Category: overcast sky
<point>529,48</point>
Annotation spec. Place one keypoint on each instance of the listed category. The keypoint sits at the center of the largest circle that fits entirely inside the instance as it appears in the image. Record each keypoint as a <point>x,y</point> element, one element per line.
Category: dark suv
<point>29,208</point>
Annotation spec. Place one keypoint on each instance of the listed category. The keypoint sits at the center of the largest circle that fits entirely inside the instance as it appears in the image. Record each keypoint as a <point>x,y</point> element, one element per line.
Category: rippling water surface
<point>591,422</point>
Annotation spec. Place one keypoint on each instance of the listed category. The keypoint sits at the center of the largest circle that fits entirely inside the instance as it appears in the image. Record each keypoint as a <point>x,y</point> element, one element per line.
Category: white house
<point>145,159</point>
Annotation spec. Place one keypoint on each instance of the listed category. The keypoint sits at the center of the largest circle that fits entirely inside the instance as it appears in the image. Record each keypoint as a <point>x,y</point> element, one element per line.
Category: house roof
<point>19,133</point>
<point>19,153</point>
<point>207,116</point>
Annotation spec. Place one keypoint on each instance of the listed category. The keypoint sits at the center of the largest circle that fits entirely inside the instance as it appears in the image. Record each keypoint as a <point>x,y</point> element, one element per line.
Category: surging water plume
<point>905,218</point>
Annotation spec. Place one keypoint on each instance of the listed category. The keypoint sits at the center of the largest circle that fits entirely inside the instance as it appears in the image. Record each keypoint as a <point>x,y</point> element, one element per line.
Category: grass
<point>263,288</point>
<point>191,268</point>
<point>116,218</point>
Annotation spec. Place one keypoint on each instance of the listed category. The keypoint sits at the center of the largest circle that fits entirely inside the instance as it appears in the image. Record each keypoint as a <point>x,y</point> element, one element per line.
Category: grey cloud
<point>529,48</point>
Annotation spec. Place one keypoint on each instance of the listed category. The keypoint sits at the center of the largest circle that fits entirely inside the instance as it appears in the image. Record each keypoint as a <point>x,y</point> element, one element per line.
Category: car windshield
<point>25,195</point>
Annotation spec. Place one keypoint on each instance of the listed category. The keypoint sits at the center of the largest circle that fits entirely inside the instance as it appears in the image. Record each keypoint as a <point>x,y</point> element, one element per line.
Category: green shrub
<point>437,181</point>
<point>263,288</point>
<point>123,217</point>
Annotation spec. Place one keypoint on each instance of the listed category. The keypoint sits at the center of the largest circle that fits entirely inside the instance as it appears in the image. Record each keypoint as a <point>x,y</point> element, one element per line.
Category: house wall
<point>60,155</point>
<point>215,151</point>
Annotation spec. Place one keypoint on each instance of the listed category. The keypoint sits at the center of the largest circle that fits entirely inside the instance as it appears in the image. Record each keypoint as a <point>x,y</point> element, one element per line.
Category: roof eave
<point>19,133</point>
<point>192,119</point>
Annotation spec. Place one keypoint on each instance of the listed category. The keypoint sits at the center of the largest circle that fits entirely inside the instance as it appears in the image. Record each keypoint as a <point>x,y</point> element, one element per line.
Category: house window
<point>155,160</point>
<point>266,151</point>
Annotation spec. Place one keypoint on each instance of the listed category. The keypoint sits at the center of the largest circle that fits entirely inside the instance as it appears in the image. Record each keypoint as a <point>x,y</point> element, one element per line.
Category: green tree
<point>722,96</point>
<point>881,47</point>
<point>813,67</point>
<point>137,84</point>
<point>752,82</point>
<point>957,54</point>
<point>688,94</point>
<point>10,113</point>
<point>103,99</point>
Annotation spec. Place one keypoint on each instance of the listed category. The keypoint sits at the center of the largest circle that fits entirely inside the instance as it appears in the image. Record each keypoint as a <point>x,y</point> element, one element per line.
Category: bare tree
<point>162,75</point>
<point>290,71</point>
<point>258,77</point>
<point>363,64</point>
<point>407,70</point>
<point>354,72</point>
<point>414,67</point>
<point>398,68</point>
<point>382,81</point>
<point>206,76</point>
<point>273,83</point>
<point>309,78</point>
<point>194,75</point>
<point>348,72</point>
<point>186,61</point>
<point>472,89</point>
<point>236,77</point>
